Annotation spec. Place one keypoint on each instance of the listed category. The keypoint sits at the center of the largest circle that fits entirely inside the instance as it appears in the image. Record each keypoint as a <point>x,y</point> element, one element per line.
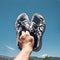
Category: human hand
<point>26,41</point>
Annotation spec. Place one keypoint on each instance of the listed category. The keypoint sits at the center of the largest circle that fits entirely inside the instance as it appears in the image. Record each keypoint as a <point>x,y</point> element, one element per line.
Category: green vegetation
<point>31,58</point>
<point>47,58</point>
<point>51,58</point>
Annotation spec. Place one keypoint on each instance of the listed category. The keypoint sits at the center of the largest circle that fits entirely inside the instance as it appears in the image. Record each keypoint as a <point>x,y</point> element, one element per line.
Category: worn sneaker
<point>22,24</point>
<point>37,28</point>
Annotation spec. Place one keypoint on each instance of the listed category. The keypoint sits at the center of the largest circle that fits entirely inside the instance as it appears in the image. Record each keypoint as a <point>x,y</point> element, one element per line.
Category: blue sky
<point>10,9</point>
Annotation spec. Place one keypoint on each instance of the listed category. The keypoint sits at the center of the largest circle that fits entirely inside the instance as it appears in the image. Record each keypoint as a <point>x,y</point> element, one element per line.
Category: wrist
<point>27,49</point>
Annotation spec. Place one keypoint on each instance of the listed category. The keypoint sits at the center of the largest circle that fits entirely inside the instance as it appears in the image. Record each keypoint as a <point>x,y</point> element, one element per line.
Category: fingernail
<point>27,32</point>
<point>23,32</point>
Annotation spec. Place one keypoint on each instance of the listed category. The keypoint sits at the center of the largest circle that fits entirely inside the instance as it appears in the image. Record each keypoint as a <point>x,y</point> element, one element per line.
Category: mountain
<point>35,58</point>
<point>51,58</point>
<point>31,58</point>
<point>5,58</point>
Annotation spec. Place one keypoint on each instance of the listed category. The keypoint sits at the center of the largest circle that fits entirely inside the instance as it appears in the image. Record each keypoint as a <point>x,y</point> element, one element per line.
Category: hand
<point>26,41</point>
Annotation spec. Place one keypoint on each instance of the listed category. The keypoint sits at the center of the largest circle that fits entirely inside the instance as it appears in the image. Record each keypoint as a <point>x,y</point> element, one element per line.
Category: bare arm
<point>26,43</point>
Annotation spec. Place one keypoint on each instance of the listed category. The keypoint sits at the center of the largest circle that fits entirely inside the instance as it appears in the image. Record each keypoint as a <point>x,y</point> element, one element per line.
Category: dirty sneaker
<point>21,24</point>
<point>37,28</point>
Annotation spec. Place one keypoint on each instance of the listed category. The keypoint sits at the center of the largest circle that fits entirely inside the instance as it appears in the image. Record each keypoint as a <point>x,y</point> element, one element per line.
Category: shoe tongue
<point>36,20</point>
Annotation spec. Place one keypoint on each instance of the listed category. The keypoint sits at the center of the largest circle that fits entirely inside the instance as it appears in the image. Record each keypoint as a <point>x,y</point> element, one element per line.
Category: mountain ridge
<point>2,57</point>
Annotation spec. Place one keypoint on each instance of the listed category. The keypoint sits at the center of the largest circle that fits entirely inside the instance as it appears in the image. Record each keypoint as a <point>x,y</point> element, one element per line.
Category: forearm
<point>23,55</point>
<point>26,42</point>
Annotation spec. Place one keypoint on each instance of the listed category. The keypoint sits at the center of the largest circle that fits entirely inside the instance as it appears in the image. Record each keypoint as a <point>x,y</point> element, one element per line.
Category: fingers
<point>22,37</point>
<point>24,34</point>
<point>26,39</point>
<point>27,33</point>
<point>32,40</point>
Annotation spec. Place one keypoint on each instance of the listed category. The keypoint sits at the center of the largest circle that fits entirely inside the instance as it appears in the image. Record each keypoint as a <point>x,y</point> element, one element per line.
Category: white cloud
<point>44,55</point>
<point>9,47</point>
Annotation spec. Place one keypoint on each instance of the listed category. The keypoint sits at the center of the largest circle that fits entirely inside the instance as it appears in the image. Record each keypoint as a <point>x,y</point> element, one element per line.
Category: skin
<point>26,43</point>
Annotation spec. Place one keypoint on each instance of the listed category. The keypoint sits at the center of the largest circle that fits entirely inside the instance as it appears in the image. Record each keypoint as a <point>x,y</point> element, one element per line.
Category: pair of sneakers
<point>36,27</point>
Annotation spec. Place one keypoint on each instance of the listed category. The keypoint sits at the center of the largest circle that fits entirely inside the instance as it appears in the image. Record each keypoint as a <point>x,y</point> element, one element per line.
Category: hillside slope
<point>31,58</point>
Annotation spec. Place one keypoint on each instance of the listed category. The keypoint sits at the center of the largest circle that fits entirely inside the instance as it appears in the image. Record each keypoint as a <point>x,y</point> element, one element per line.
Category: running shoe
<point>37,29</point>
<point>22,24</point>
